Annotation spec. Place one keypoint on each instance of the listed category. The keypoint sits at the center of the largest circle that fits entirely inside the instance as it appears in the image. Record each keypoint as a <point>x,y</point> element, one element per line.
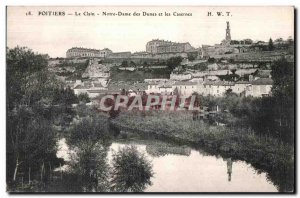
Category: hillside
<point>138,75</point>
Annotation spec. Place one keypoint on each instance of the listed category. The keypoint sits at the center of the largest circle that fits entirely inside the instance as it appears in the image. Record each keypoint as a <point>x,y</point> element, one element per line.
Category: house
<point>79,89</point>
<point>240,87</point>
<point>153,87</point>
<point>242,72</point>
<point>93,93</point>
<point>197,79</point>
<point>148,80</point>
<point>166,89</point>
<point>213,66</point>
<point>128,88</point>
<point>138,88</point>
<point>163,87</point>
<point>264,74</point>
<point>260,87</point>
<point>174,76</point>
<point>216,88</point>
<point>93,89</point>
<point>185,88</point>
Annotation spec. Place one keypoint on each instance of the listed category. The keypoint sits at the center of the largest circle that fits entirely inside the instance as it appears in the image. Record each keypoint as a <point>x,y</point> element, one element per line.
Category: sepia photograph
<point>150,99</point>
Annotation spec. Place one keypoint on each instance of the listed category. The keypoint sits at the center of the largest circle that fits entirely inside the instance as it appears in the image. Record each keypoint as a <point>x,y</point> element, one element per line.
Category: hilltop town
<point>241,67</point>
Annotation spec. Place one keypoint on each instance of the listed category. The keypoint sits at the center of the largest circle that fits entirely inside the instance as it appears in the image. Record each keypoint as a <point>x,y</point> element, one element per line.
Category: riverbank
<point>264,153</point>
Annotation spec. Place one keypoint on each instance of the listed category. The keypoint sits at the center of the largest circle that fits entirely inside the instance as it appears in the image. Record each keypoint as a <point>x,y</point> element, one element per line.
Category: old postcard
<point>150,99</point>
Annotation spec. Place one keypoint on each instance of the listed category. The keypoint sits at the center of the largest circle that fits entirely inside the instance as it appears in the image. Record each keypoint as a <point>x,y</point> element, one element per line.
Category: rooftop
<point>219,83</point>
<point>242,82</point>
<point>262,81</point>
<point>81,87</point>
<point>185,83</point>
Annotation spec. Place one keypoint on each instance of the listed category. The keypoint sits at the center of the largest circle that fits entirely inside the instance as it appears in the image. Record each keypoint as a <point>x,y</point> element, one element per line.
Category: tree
<point>248,41</point>
<point>233,71</point>
<point>30,142</point>
<point>271,45</point>
<point>84,97</point>
<point>229,93</point>
<point>21,64</point>
<point>131,171</point>
<point>234,42</point>
<point>279,40</point>
<point>91,168</point>
<point>290,40</point>
<point>124,63</point>
<point>192,56</point>
<point>91,129</point>
<point>31,95</point>
<point>283,92</point>
<point>231,60</point>
<point>145,65</point>
<point>132,64</point>
<point>283,76</point>
<point>211,60</point>
<point>174,62</point>
<point>91,139</point>
<point>202,66</point>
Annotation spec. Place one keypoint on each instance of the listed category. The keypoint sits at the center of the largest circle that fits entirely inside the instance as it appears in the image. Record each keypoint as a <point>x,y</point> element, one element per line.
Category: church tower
<point>228,36</point>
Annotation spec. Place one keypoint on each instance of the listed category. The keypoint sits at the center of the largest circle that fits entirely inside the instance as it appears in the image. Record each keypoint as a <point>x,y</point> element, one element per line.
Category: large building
<point>77,52</point>
<point>120,55</point>
<point>157,46</point>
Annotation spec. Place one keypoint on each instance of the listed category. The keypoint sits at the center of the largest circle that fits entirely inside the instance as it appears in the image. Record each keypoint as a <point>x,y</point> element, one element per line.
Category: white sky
<point>55,34</point>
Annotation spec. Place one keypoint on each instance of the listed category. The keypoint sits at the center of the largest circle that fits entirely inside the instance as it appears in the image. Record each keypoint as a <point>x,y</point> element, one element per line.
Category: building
<point>157,46</point>
<point>185,88</point>
<point>156,80</point>
<point>120,55</point>
<point>240,87</point>
<point>141,55</point>
<point>256,88</point>
<point>93,89</point>
<point>186,76</point>
<point>260,87</point>
<point>170,55</point>
<point>105,52</point>
<point>163,87</point>
<point>215,88</point>
<point>78,52</point>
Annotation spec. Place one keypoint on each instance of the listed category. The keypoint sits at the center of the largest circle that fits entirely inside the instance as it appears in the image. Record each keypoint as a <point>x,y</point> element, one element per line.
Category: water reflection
<point>162,149</point>
<point>229,168</point>
<point>182,169</point>
<point>195,172</point>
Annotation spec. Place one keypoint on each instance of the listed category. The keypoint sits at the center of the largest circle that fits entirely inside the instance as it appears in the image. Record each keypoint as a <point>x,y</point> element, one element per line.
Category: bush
<point>84,97</point>
<point>174,62</point>
<point>131,170</point>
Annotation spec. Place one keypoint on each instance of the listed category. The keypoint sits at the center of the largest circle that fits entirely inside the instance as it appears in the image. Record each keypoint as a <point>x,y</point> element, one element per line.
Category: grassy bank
<point>262,152</point>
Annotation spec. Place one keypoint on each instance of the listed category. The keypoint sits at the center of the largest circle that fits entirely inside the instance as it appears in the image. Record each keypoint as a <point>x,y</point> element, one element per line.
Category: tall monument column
<point>228,36</point>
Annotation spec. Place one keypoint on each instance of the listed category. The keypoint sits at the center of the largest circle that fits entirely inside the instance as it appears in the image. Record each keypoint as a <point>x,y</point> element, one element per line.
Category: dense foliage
<point>36,104</point>
<point>174,62</point>
<point>131,170</point>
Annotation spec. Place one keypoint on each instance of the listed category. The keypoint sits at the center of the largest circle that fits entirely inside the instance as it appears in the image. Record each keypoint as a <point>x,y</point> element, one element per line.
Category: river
<point>183,169</point>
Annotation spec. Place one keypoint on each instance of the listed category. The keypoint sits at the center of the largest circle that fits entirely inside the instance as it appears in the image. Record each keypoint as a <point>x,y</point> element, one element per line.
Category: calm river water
<point>182,169</point>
